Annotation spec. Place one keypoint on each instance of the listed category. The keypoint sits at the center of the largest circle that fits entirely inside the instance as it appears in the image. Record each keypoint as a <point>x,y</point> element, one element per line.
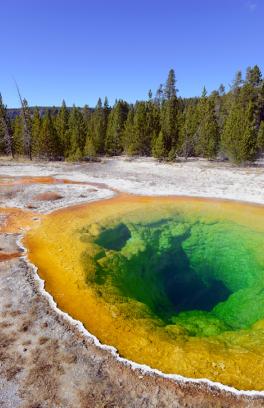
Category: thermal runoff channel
<point>177,284</point>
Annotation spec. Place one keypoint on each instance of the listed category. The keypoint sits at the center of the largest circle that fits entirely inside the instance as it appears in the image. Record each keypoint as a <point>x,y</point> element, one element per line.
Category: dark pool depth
<point>192,273</point>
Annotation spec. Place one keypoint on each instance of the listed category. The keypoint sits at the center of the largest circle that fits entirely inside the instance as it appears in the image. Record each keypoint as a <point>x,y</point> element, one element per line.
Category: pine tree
<point>115,128</point>
<point>239,138</point>
<point>89,148</point>
<point>36,133</point>
<point>76,134</point>
<point>188,132</point>
<point>232,131</point>
<point>62,127</point>
<point>159,98</point>
<point>49,146</point>
<point>237,82</point>
<point>221,90</point>
<point>106,112</point>
<point>97,125</point>
<point>18,143</point>
<point>218,98</point>
<point>201,111</point>
<point>153,124</point>
<point>127,140</point>
<point>140,144</point>
<point>249,139</point>
<point>159,149</point>
<point>169,114</point>
<point>170,88</point>
<point>99,128</point>
<point>208,132</point>
<point>2,140</point>
<point>254,76</point>
<point>260,137</point>
<point>106,103</point>
<point>5,129</point>
<point>86,114</point>
<point>169,126</point>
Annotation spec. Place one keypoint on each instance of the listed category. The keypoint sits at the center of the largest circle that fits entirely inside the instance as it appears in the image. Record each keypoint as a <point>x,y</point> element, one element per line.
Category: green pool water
<point>173,283</point>
<point>204,276</point>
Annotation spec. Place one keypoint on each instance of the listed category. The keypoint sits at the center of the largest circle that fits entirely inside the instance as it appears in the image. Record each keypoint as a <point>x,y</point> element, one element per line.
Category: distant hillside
<point>13,112</point>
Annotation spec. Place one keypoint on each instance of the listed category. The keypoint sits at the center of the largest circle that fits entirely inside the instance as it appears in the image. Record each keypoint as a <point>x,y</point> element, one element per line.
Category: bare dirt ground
<point>45,361</point>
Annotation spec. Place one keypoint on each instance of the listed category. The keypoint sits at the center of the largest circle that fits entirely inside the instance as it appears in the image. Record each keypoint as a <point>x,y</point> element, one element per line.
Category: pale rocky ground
<point>36,196</point>
<point>146,176</point>
<point>45,361</point>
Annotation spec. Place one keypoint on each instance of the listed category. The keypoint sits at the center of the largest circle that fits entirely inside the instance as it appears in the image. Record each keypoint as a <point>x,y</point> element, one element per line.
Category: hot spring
<point>174,283</point>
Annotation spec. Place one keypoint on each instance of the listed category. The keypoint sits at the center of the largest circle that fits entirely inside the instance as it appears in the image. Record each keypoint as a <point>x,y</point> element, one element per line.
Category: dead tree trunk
<point>26,125</point>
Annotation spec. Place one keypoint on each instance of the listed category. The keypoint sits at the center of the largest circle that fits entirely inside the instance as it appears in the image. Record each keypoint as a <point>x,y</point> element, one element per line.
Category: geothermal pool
<point>174,283</point>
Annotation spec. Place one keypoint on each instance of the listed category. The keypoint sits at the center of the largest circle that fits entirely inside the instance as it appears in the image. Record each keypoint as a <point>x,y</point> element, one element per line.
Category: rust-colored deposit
<point>5,256</point>
<point>17,181</point>
<point>15,220</point>
<point>48,196</point>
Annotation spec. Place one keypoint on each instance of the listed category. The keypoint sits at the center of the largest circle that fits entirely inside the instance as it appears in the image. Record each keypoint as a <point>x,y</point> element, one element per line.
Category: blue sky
<point>79,50</point>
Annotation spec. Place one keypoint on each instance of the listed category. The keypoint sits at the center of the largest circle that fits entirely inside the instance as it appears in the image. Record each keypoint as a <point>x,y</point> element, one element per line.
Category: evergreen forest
<point>220,125</point>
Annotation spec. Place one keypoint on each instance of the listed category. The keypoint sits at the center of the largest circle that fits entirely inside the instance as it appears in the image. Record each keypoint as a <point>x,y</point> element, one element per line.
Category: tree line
<point>226,125</point>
